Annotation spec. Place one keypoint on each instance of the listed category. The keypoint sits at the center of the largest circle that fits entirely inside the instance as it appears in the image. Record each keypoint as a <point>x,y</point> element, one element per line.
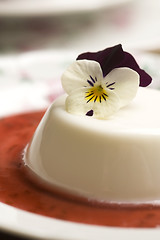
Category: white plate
<point>20,76</point>
<point>31,225</point>
<point>54,7</point>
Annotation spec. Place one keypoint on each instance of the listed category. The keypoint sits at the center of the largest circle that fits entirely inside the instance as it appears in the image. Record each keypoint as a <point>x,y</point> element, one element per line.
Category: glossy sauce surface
<point>18,190</point>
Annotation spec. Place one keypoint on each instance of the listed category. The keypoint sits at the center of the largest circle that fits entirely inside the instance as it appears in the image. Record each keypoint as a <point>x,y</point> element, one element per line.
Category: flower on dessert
<point>92,94</point>
<point>115,57</point>
<point>100,84</point>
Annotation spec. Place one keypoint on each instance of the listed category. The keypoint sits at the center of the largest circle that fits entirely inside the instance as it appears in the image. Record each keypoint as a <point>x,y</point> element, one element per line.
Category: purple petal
<point>108,58</point>
<point>130,62</point>
<point>115,57</point>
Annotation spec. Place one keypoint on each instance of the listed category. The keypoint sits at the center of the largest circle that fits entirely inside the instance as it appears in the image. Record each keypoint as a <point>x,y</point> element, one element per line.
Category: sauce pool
<point>18,190</point>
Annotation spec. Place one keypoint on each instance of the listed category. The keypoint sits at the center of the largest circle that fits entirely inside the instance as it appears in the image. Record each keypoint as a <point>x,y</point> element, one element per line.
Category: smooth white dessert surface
<point>117,159</point>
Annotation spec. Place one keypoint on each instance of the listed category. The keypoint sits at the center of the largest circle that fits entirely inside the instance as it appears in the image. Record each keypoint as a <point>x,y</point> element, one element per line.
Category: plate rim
<point>23,221</point>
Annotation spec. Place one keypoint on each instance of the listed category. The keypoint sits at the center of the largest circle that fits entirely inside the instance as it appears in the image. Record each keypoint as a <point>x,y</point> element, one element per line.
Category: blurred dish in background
<point>53,7</point>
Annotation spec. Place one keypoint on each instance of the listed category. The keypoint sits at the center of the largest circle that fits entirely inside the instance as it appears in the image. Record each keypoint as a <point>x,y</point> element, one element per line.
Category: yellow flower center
<point>96,94</point>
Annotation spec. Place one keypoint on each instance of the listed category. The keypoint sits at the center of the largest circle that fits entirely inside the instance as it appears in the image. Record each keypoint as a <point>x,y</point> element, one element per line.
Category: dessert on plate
<point>100,140</point>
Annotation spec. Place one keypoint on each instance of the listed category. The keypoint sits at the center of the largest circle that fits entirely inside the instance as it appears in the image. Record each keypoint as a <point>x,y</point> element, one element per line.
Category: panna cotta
<point>101,140</point>
<point>107,160</point>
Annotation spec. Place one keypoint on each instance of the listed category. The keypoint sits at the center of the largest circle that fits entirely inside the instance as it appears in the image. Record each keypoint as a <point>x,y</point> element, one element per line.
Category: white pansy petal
<point>78,105</point>
<point>78,73</point>
<point>107,108</point>
<point>126,83</point>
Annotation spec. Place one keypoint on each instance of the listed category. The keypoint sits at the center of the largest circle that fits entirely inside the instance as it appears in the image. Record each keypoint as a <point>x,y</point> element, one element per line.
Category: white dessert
<point>116,160</point>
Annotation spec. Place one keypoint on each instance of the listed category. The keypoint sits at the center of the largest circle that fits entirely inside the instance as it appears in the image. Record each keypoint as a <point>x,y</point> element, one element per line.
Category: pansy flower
<point>100,86</point>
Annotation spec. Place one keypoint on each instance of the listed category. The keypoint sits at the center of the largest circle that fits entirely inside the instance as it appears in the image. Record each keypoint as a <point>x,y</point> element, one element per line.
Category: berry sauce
<point>19,190</point>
